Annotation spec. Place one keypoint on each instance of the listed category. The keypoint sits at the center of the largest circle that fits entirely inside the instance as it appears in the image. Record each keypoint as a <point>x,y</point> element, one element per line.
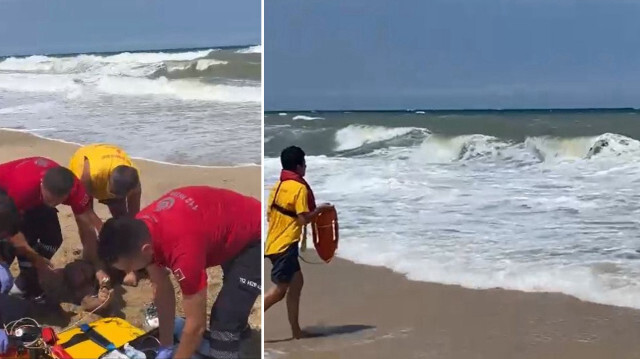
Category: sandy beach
<point>360,311</point>
<point>156,179</point>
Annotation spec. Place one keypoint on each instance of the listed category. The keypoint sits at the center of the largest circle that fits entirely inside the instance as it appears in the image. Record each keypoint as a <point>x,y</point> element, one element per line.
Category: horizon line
<point>174,49</point>
<point>558,109</point>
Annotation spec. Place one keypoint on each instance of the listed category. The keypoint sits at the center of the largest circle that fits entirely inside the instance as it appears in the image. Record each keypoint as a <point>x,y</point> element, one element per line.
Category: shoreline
<point>358,310</point>
<point>77,144</point>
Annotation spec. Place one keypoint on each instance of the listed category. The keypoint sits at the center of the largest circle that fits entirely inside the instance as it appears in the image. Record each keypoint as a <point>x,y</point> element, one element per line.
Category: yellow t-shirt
<point>285,230</point>
<point>103,158</point>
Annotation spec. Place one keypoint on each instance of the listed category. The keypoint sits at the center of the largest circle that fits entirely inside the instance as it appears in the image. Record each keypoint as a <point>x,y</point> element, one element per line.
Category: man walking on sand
<point>108,175</point>
<point>291,206</point>
<point>187,231</point>
<point>31,189</point>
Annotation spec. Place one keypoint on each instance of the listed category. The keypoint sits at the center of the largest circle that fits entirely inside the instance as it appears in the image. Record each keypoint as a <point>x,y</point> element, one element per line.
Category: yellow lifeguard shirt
<point>284,230</point>
<point>103,158</point>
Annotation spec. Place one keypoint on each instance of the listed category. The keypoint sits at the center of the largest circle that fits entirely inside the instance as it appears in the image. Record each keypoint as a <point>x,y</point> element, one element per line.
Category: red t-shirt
<point>194,228</point>
<point>21,180</point>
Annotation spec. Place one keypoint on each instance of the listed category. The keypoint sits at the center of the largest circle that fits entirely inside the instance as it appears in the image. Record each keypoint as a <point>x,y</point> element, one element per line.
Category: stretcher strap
<point>88,333</point>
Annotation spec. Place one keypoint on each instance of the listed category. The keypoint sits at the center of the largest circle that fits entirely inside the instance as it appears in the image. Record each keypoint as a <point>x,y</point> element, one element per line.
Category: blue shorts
<point>285,265</point>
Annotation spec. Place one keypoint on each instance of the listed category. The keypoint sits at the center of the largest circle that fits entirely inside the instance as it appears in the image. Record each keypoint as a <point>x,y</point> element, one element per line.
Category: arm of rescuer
<point>302,208</point>
<point>23,249</point>
<point>190,272</point>
<point>133,200</point>
<point>164,298</point>
<point>10,223</point>
<point>89,225</point>
<point>195,311</point>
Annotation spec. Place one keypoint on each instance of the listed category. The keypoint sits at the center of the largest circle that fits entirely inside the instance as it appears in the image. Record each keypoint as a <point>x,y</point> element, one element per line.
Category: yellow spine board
<point>117,331</point>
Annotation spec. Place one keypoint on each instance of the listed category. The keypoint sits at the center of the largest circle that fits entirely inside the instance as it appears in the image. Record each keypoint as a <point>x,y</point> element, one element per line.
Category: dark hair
<point>9,215</point>
<point>69,271</point>
<point>121,237</point>
<point>123,179</point>
<point>292,157</point>
<point>59,181</point>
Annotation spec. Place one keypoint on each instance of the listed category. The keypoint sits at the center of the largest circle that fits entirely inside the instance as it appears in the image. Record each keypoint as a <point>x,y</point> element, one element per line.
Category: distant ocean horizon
<point>463,110</point>
<point>133,51</point>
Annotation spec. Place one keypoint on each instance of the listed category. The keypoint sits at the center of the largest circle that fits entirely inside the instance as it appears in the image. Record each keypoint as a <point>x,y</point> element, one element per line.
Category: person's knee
<point>231,316</point>
<point>297,282</point>
<point>281,290</point>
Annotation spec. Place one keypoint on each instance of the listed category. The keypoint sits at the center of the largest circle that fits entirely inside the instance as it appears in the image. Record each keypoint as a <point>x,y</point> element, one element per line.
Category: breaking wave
<point>191,75</point>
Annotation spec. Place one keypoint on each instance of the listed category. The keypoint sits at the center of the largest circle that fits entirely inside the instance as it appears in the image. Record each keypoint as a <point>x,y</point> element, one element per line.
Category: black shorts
<point>285,265</point>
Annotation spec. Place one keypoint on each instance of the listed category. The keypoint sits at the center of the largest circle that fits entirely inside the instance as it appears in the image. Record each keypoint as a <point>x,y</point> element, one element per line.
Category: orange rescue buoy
<point>325,234</point>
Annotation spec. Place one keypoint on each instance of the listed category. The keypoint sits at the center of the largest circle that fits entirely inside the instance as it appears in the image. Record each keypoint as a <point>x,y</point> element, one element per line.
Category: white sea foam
<point>120,74</point>
<point>80,63</point>
<point>125,99</point>
<point>307,118</point>
<point>180,89</point>
<point>546,215</point>
<point>251,50</point>
<point>354,136</point>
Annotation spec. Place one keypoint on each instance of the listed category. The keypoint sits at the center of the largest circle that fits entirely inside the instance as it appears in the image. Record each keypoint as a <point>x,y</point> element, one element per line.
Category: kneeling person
<point>108,175</point>
<point>32,188</point>
<point>189,230</point>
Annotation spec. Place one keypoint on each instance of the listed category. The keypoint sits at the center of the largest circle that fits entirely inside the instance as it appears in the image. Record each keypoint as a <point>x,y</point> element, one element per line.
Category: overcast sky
<point>70,26</point>
<point>383,54</point>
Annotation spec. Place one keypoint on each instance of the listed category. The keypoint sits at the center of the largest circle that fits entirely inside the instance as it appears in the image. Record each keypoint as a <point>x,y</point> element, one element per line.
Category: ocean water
<point>526,200</point>
<point>191,106</point>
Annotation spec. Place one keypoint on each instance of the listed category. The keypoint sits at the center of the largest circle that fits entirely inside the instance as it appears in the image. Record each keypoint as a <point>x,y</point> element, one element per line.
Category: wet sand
<point>361,311</point>
<point>156,180</point>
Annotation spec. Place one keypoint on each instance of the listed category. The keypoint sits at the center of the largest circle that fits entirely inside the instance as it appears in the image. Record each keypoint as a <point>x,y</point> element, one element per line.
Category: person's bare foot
<point>131,279</point>
<point>300,334</point>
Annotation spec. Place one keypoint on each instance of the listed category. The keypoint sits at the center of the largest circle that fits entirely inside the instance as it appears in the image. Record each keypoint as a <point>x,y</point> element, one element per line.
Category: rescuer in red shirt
<point>32,188</point>
<point>187,231</point>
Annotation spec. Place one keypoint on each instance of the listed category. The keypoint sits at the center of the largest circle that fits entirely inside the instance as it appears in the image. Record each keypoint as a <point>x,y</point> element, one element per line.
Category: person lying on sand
<point>76,283</point>
<point>189,230</point>
<point>31,230</point>
<point>292,207</point>
<point>108,175</point>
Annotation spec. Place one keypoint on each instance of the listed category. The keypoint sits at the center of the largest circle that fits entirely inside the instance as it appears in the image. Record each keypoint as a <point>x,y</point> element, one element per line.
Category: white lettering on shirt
<point>190,202</point>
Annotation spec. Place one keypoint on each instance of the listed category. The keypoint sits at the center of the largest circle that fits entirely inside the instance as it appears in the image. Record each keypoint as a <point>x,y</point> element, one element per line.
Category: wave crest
<point>354,136</point>
<point>178,75</point>
<point>421,144</point>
